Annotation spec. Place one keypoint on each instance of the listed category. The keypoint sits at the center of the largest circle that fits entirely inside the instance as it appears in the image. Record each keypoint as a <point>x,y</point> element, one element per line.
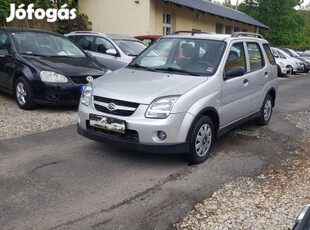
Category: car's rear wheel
<point>265,112</point>
<point>201,140</point>
<point>24,94</point>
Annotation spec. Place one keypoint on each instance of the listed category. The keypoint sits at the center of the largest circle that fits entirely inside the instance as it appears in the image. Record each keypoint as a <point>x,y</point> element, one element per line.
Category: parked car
<point>285,66</point>
<point>294,54</point>
<point>40,67</point>
<point>208,84</point>
<point>306,55</point>
<point>113,50</point>
<point>148,39</point>
<point>298,66</point>
<point>303,220</point>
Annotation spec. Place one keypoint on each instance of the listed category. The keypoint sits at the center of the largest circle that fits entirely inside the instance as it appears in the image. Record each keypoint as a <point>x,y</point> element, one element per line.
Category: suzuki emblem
<point>111,106</point>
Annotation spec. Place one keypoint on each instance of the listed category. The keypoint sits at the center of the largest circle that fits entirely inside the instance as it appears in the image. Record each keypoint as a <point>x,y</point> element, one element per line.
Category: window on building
<point>255,56</point>
<point>236,29</point>
<point>218,28</point>
<point>227,29</point>
<point>244,30</point>
<point>167,24</point>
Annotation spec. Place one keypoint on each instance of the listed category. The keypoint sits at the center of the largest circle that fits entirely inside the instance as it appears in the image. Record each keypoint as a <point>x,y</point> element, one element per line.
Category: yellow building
<point>160,17</point>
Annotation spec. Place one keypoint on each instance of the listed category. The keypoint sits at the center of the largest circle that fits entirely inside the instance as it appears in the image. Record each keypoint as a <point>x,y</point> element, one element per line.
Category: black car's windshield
<point>45,44</point>
<point>130,47</point>
<point>182,56</point>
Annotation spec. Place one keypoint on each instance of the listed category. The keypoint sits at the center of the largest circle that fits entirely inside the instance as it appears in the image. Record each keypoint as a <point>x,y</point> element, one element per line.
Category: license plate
<point>82,88</point>
<point>107,123</point>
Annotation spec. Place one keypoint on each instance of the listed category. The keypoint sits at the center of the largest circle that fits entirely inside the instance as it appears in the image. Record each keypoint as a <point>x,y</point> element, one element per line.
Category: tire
<point>23,94</point>
<point>265,112</point>
<point>290,71</point>
<point>279,71</point>
<point>202,134</point>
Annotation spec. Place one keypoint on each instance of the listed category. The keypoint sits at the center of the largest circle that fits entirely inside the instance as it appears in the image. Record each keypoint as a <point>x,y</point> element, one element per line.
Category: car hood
<point>67,66</point>
<point>143,86</point>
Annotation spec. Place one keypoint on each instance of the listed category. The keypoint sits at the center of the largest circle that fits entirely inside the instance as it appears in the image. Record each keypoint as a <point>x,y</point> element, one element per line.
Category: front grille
<point>130,135</point>
<point>119,112</point>
<point>81,80</point>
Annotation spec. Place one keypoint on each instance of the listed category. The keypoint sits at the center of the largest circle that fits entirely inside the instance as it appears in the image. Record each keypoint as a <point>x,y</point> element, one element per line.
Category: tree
<point>4,11</point>
<point>282,18</point>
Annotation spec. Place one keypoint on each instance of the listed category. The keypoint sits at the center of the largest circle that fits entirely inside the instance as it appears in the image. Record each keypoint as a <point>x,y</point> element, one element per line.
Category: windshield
<point>182,55</point>
<point>130,47</point>
<point>293,53</point>
<point>306,54</point>
<point>44,44</point>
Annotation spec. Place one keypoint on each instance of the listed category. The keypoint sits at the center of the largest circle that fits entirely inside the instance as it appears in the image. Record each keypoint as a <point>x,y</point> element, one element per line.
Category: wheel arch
<point>212,114</point>
<point>272,93</point>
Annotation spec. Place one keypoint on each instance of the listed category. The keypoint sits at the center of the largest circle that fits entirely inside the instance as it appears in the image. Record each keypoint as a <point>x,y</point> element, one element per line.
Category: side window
<point>281,55</point>
<point>5,43</point>
<point>85,42</point>
<point>235,57</point>
<point>255,56</point>
<point>269,54</point>
<point>102,45</point>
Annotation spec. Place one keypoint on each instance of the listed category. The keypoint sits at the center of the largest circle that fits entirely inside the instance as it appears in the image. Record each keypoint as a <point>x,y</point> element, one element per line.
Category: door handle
<point>245,81</point>
<point>266,74</point>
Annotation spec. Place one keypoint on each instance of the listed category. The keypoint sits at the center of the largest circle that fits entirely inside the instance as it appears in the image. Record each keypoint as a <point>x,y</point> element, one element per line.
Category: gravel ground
<point>273,200</point>
<point>15,122</point>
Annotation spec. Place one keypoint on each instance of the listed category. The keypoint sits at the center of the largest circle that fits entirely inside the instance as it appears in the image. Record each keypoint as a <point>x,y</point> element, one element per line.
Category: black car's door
<point>6,61</point>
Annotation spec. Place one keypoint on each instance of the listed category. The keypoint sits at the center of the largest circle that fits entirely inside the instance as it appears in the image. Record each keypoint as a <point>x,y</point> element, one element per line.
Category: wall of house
<point>146,17</point>
<point>118,16</point>
<point>186,19</point>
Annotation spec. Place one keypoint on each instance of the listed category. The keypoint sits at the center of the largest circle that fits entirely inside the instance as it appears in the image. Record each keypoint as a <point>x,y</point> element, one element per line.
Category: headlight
<point>161,107</point>
<point>49,76</point>
<point>86,94</point>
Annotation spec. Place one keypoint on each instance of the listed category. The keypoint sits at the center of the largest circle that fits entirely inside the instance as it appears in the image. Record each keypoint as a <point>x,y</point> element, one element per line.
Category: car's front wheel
<point>201,140</point>
<point>24,94</point>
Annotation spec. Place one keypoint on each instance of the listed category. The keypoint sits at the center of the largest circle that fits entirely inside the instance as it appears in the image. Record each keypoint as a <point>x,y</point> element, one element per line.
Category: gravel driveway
<point>271,201</point>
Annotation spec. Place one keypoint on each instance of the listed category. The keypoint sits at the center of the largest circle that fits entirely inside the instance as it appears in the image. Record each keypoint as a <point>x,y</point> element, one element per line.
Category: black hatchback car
<point>40,67</point>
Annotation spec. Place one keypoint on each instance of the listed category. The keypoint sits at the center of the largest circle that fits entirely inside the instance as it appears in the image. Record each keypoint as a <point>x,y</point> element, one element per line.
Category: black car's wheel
<point>201,140</point>
<point>24,94</point>
<point>265,112</point>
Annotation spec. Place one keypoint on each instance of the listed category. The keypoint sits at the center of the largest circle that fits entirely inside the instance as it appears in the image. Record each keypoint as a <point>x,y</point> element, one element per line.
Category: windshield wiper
<point>31,54</point>
<point>171,69</point>
<point>142,67</point>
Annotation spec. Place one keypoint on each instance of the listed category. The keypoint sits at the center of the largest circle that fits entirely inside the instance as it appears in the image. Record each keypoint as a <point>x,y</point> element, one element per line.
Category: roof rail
<point>248,34</point>
<point>78,32</point>
<point>190,32</point>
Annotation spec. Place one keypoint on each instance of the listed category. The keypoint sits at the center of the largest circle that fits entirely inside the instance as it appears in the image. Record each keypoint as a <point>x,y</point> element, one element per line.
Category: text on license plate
<point>107,123</point>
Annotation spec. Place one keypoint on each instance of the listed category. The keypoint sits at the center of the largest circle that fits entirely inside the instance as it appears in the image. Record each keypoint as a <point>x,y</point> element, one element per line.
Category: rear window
<point>269,54</point>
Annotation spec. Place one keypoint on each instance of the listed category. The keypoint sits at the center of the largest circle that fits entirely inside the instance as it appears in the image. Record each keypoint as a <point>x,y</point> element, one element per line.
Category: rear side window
<point>255,56</point>
<point>85,42</point>
<point>269,54</point>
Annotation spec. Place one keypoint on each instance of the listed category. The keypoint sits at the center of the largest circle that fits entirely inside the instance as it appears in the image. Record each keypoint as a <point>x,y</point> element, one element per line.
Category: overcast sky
<point>234,1</point>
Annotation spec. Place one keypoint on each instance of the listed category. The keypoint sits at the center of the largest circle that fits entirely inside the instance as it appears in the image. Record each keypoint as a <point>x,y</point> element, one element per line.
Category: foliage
<point>4,11</point>
<point>81,22</point>
<point>286,25</point>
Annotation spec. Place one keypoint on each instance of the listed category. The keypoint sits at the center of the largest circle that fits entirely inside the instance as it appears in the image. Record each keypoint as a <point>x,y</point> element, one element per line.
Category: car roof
<point>16,29</point>
<point>148,36</point>
<point>111,36</point>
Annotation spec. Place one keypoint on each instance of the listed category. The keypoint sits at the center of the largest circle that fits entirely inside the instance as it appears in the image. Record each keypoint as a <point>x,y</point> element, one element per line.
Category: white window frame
<point>167,25</point>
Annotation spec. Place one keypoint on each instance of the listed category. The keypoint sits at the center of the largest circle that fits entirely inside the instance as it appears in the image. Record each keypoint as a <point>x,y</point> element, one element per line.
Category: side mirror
<point>276,56</point>
<point>111,52</point>
<point>236,71</point>
<point>4,52</point>
<point>303,220</point>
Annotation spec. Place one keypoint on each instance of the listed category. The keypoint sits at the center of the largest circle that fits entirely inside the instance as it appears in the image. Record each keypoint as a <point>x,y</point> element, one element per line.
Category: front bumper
<point>57,93</point>
<point>136,146</point>
<point>140,131</point>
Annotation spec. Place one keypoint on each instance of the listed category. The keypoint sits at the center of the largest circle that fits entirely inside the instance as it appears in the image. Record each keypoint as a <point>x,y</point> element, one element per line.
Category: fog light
<point>161,135</point>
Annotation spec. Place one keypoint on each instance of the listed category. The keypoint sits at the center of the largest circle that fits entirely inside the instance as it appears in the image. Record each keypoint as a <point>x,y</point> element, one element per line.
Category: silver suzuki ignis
<point>181,93</point>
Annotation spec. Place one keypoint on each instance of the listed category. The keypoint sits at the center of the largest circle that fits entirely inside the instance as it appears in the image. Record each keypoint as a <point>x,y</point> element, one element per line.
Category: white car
<point>284,65</point>
<point>295,65</point>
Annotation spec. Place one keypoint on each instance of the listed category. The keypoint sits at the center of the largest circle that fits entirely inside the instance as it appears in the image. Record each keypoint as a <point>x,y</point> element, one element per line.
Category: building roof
<point>218,10</point>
